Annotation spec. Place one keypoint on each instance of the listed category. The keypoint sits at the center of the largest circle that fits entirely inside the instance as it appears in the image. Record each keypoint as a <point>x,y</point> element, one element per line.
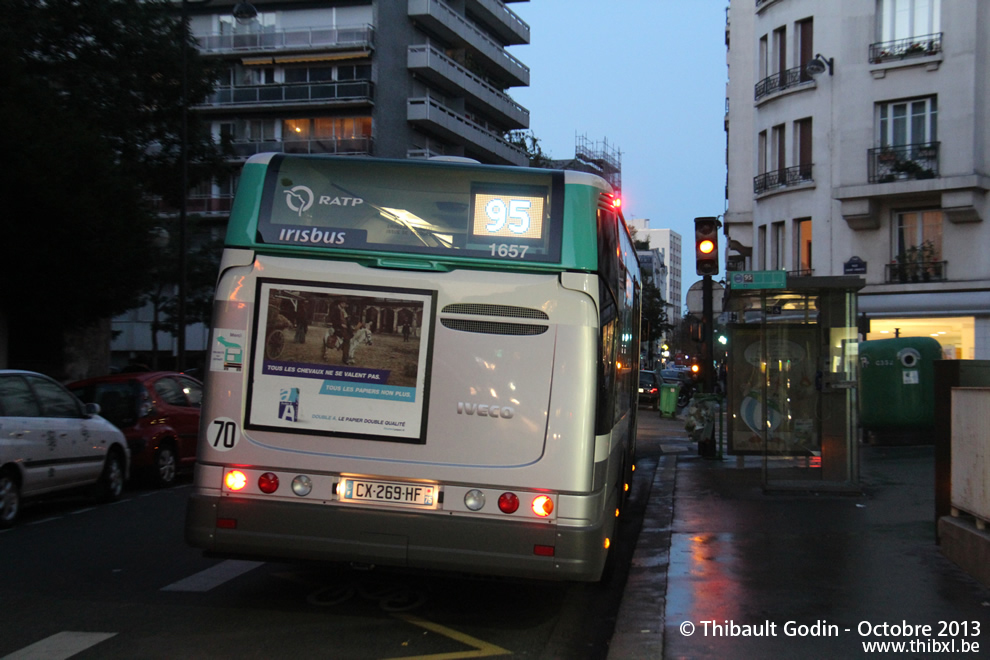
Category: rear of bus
<point>405,370</point>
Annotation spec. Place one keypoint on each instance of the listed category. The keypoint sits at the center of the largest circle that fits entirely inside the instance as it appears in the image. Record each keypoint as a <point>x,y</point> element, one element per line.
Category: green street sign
<point>758,279</point>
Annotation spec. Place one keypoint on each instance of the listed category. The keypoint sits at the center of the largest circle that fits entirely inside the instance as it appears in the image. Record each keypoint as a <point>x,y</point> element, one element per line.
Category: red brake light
<point>508,502</point>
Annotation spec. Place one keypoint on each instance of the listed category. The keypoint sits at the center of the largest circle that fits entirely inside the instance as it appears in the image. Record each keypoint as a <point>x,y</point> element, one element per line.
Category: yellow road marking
<point>481,649</point>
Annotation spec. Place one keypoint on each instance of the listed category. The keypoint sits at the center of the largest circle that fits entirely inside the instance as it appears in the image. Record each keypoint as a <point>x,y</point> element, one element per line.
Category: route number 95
<point>514,215</point>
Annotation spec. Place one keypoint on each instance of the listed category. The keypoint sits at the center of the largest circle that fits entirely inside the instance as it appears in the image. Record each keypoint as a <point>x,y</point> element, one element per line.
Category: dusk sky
<point>649,77</point>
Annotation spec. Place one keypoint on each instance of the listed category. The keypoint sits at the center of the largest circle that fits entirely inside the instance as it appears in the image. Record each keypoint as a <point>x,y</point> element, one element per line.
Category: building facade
<point>857,143</point>
<point>384,78</point>
<point>668,242</point>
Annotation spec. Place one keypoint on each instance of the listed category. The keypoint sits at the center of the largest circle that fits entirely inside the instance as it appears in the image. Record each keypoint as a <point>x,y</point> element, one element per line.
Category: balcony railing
<point>917,271</point>
<point>907,161</point>
<point>788,176</point>
<point>782,80</point>
<point>296,39</point>
<point>900,49</point>
<point>343,146</point>
<point>323,92</point>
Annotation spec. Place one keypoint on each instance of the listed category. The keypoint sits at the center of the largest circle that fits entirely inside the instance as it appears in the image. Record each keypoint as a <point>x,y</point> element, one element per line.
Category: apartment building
<point>385,78</point>
<point>668,243</point>
<point>857,143</point>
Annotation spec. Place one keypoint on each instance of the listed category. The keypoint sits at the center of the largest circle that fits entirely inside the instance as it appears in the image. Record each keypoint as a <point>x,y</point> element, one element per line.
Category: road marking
<point>59,646</point>
<point>214,576</point>
<point>481,649</point>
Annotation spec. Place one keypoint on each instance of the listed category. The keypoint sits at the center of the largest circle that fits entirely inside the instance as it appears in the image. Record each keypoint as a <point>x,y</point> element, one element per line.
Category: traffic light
<point>706,245</point>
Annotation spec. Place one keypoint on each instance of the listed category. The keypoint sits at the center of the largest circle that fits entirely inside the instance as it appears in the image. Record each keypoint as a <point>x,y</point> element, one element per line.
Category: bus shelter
<point>791,378</point>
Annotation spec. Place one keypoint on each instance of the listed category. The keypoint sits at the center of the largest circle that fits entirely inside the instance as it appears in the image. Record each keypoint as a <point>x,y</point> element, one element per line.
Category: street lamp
<point>244,11</point>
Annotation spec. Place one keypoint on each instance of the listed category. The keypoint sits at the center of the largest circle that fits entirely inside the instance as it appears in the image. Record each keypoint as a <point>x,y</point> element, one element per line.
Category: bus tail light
<point>235,480</point>
<point>508,502</point>
<point>302,485</point>
<point>226,523</point>
<point>474,499</point>
<point>268,483</point>
<point>543,550</point>
<point>542,506</point>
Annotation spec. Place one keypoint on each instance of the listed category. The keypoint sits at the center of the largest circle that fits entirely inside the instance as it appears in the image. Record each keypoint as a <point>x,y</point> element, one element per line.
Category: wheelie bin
<point>668,398</point>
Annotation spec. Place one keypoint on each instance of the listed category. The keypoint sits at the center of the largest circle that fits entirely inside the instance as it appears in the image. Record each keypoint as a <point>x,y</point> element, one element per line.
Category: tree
<point>92,106</point>
<point>529,143</point>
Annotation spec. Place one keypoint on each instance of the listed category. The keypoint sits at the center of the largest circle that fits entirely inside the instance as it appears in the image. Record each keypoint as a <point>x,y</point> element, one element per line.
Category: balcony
<point>457,30</point>
<point>782,178</point>
<point>917,271</point>
<point>909,161</point>
<point>781,81</point>
<point>901,49</point>
<point>339,93</point>
<point>360,38</point>
<point>433,65</point>
<point>359,146</point>
<point>432,116</point>
<point>501,20</point>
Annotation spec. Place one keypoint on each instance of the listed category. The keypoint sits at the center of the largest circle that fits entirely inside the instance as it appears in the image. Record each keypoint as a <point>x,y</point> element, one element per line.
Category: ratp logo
<point>299,199</point>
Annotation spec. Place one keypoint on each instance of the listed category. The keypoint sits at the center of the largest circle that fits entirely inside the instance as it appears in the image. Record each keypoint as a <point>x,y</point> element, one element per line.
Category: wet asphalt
<point>723,569</point>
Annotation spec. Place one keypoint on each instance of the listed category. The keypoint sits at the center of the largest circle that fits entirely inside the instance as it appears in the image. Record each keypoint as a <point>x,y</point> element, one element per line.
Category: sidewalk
<point>715,548</point>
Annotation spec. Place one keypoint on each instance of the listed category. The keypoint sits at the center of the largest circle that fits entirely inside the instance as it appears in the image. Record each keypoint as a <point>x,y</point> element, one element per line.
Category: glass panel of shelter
<point>791,385</point>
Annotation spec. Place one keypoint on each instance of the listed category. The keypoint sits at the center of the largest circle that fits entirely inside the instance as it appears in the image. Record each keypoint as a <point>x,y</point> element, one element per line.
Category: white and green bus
<point>420,363</point>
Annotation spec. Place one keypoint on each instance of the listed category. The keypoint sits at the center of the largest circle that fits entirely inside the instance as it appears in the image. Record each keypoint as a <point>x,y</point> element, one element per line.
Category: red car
<point>158,411</point>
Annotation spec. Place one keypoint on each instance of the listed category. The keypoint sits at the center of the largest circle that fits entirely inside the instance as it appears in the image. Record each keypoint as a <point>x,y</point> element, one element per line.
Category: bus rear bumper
<point>272,530</point>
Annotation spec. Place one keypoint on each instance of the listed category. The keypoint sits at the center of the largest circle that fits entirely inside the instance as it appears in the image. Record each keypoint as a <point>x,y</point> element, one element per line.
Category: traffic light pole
<point>707,335</point>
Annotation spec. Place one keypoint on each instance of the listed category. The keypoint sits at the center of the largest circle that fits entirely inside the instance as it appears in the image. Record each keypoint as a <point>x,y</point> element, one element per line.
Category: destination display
<point>345,204</point>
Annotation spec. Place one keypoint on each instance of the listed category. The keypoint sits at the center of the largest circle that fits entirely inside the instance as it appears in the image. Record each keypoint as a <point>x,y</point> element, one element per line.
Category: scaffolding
<point>605,159</point>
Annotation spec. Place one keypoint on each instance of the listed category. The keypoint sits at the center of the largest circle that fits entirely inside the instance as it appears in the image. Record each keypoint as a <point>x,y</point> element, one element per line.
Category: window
<point>16,398</point>
<point>802,238</point>
<point>761,247</point>
<point>777,246</point>
<point>778,157</point>
<point>761,153</point>
<point>54,401</point>
<point>907,122</point>
<point>918,234</point>
<point>903,19</point>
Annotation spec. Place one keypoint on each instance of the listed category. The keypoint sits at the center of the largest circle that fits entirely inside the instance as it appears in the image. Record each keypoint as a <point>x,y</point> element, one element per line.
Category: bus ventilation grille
<point>493,327</point>
<point>495,310</point>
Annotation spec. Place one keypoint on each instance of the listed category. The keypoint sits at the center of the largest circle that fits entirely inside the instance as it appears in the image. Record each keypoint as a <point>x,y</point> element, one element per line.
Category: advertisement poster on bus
<point>341,360</point>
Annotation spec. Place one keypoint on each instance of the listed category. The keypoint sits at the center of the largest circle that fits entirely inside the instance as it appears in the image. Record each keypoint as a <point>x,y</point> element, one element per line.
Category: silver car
<point>50,441</point>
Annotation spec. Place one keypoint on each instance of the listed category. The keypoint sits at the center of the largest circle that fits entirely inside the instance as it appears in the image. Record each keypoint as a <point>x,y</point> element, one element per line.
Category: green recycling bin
<point>897,388</point>
<point>668,398</point>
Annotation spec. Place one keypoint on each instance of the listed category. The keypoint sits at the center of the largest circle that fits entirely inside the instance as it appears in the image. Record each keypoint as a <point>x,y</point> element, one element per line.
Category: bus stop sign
<point>758,279</point>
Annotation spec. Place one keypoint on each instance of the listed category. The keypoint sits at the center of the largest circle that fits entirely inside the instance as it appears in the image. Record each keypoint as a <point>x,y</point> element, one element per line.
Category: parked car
<point>158,411</point>
<point>649,389</point>
<point>51,441</point>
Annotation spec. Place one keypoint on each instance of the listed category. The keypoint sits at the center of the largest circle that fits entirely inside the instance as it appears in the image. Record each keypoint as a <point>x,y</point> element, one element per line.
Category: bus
<point>420,364</point>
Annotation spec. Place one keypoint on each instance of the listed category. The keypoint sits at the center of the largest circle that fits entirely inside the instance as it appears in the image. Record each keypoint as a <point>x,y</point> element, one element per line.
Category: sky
<point>648,77</point>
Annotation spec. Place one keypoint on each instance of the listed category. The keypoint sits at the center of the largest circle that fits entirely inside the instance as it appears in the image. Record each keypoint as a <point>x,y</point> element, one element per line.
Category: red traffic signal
<point>706,245</point>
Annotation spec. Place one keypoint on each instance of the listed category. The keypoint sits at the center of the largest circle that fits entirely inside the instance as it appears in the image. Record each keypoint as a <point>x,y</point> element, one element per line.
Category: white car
<point>50,441</point>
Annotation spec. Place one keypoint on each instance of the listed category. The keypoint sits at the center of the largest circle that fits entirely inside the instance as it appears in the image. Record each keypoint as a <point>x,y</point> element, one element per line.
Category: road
<point>118,581</point>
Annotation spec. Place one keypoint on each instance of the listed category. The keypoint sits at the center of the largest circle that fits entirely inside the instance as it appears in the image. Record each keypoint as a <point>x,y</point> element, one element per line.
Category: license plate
<point>371,491</point>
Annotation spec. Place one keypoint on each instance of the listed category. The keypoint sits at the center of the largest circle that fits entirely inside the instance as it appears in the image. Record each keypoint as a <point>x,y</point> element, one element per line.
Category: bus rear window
<point>408,207</point>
